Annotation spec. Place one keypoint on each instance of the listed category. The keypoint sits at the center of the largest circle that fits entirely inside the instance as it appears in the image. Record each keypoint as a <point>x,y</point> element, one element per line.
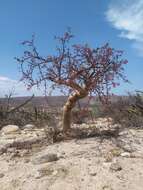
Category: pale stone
<point>28,126</point>
<point>93,173</point>
<point>49,157</point>
<point>115,167</point>
<point>55,172</point>
<point>125,154</point>
<point>10,129</point>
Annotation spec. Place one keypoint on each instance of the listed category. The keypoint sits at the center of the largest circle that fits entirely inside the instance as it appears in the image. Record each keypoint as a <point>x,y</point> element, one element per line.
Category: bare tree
<point>78,70</point>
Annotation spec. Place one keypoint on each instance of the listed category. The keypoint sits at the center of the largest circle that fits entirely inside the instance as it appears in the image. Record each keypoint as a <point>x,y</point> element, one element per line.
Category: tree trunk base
<point>71,102</point>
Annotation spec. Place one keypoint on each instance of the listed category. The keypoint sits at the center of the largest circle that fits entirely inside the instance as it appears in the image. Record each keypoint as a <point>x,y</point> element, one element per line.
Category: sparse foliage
<point>78,70</point>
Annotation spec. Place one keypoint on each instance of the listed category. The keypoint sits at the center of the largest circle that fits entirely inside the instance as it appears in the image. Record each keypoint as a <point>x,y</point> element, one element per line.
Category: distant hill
<point>52,101</point>
<point>40,101</point>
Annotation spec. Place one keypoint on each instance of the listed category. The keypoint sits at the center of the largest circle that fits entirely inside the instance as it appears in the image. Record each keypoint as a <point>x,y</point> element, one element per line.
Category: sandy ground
<point>84,164</point>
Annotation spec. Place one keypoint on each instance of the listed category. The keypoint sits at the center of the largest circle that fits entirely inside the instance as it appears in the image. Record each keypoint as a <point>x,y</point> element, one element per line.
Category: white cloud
<point>2,78</point>
<point>8,85</point>
<point>127,16</point>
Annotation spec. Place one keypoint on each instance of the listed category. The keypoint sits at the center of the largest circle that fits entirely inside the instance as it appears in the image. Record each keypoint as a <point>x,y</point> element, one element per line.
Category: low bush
<point>128,111</point>
<point>26,113</point>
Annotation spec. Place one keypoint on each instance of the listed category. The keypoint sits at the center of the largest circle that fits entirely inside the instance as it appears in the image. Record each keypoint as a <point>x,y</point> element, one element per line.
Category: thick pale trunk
<point>68,108</point>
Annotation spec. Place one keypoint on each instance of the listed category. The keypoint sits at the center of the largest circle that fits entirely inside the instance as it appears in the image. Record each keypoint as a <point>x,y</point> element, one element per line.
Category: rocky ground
<point>29,160</point>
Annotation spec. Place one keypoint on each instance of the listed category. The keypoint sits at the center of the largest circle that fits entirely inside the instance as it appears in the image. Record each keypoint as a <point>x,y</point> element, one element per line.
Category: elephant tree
<point>78,70</point>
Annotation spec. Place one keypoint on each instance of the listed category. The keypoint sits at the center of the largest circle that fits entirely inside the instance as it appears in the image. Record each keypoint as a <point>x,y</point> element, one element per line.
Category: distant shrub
<point>97,110</point>
<point>26,113</point>
<point>82,115</point>
<point>128,111</point>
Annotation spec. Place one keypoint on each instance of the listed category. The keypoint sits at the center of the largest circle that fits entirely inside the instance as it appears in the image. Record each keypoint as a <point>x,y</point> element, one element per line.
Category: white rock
<point>125,154</point>
<point>28,126</point>
<point>84,125</point>
<point>10,129</point>
<point>133,132</point>
<point>55,172</point>
<point>123,133</point>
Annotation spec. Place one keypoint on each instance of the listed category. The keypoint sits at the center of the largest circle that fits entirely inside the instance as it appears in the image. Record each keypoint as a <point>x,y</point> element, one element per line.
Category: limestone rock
<point>28,127</point>
<point>10,129</point>
<point>115,167</point>
<point>49,157</point>
<point>126,154</point>
<point>93,173</point>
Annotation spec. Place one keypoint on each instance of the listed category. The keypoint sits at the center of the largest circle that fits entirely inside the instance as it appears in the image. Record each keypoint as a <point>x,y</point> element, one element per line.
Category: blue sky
<point>96,22</point>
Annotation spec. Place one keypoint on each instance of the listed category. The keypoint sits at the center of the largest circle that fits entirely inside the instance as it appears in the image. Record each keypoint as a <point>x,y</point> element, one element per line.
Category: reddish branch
<point>77,69</point>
